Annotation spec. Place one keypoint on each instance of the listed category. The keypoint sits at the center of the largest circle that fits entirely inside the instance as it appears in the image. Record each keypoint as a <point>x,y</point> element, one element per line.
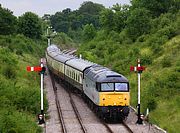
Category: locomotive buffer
<point>139,69</point>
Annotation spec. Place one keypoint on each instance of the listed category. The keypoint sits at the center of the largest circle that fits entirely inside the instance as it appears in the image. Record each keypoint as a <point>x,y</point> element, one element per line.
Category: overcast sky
<point>42,7</point>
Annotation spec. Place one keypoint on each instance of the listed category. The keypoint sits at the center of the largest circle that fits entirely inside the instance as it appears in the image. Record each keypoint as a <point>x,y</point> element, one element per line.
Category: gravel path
<point>144,128</point>
<point>53,123</point>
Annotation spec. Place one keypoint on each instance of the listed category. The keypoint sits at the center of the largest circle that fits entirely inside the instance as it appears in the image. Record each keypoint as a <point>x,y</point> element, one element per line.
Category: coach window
<point>78,78</point>
<point>73,75</point>
<point>68,72</point>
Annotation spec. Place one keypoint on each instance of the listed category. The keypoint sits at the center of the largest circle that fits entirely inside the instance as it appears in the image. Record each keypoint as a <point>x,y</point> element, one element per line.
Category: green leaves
<point>89,32</point>
<point>8,22</point>
<point>138,23</point>
<point>107,19</point>
<point>156,7</point>
<point>30,25</point>
<point>72,22</point>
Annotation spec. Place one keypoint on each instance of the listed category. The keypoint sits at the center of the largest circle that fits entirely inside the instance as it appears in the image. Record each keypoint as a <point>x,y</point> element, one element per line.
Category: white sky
<point>42,7</point>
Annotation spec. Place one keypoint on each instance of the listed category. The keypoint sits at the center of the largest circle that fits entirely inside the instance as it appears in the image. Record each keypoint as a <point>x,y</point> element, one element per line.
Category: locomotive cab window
<point>98,87</point>
<point>121,87</point>
<point>107,87</point>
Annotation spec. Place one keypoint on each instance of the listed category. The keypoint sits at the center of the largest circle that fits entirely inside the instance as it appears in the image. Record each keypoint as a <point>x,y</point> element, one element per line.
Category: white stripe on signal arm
<point>135,69</point>
<point>32,68</point>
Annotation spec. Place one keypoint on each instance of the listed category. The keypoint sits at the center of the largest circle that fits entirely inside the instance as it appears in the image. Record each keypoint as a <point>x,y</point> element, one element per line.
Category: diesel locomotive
<point>106,91</point>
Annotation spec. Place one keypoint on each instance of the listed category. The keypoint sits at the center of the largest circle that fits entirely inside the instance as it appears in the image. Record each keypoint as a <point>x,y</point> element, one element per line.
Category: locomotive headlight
<point>125,97</point>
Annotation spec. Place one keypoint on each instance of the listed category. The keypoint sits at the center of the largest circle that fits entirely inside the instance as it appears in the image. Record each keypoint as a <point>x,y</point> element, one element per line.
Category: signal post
<point>42,70</point>
<point>139,69</point>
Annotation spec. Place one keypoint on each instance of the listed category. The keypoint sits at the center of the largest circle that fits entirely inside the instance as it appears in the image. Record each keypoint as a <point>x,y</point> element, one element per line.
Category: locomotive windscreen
<point>114,87</point>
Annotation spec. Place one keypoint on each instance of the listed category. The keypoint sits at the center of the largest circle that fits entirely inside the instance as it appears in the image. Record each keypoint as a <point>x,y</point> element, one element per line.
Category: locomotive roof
<point>102,74</point>
<point>79,64</point>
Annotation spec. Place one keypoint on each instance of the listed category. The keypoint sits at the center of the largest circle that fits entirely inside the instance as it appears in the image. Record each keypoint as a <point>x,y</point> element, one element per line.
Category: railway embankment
<point>19,89</point>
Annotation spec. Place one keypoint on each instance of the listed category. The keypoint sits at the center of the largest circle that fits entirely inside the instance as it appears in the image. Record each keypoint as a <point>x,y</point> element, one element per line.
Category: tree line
<point>28,24</point>
<point>135,19</point>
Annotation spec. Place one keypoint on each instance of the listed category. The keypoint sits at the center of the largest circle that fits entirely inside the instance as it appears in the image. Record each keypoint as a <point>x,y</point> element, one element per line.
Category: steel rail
<point>108,128</point>
<point>127,127</point>
<point>58,104</point>
<point>77,113</point>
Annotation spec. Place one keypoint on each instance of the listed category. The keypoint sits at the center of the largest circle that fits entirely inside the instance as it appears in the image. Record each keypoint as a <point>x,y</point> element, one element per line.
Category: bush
<point>151,104</point>
<point>9,72</point>
<point>12,121</point>
<point>146,60</point>
<point>166,62</point>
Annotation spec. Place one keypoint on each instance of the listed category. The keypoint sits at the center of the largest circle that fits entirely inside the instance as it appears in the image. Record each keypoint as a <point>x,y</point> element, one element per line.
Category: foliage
<point>138,23</point>
<point>21,45</point>
<point>69,21</point>
<point>29,24</point>
<point>107,19</point>
<point>16,122</point>
<point>63,41</point>
<point>89,32</point>
<point>89,7</point>
<point>156,7</point>
<point>8,22</point>
<point>114,18</point>
<point>20,101</point>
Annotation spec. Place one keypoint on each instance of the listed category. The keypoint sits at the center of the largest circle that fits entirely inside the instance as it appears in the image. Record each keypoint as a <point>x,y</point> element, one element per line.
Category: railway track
<point>60,113</point>
<point>77,113</point>
<point>58,105</point>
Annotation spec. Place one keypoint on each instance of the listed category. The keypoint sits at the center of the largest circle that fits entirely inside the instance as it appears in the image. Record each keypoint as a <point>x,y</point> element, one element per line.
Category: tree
<point>8,22</point>
<point>156,7</point>
<point>138,23</point>
<point>107,19</point>
<point>121,14</point>
<point>29,24</point>
<point>89,32</point>
<point>89,7</point>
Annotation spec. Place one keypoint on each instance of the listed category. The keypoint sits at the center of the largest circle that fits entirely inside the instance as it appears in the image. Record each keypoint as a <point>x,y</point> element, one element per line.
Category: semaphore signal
<point>139,69</point>
<point>42,70</point>
<point>36,68</point>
